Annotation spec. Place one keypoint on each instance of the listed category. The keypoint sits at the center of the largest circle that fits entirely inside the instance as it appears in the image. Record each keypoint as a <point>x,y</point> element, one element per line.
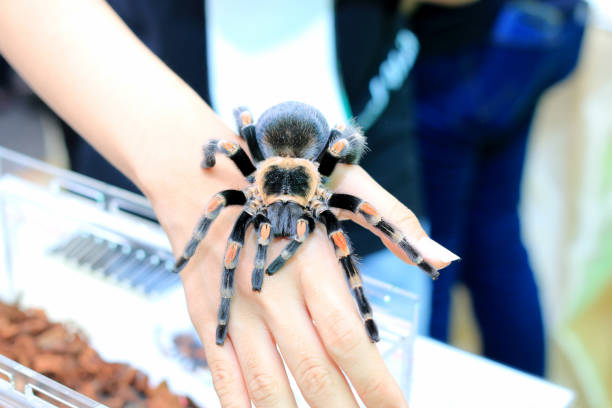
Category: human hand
<point>145,120</point>
<point>305,309</point>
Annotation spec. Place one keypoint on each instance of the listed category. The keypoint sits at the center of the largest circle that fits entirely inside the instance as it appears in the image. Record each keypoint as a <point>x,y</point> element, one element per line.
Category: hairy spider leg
<point>358,206</point>
<point>305,224</point>
<point>344,253</point>
<point>231,150</point>
<point>264,230</point>
<point>345,145</point>
<point>246,129</point>
<point>328,159</point>
<point>230,262</point>
<point>214,207</point>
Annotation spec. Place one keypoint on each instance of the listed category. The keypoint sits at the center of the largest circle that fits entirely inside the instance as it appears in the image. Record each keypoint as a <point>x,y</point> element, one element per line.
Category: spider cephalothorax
<point>294,152</point>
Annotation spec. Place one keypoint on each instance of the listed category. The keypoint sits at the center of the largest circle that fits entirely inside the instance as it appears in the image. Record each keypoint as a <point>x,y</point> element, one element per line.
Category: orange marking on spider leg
<point>246,118</point>
<point>368,209</point>
<point>340,241</point>
<point>301,228</point>
<point>264,232</point>
<point>214,204</point>
<point>229,147</point>
<point>230,254</point>
<point>337,147</point>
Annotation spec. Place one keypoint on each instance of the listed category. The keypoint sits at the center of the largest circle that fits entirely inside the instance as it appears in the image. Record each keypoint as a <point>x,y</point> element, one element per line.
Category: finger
<point>318,377</point>
<point>262,368</point>
<point>393,211</point>
<point>222,361</point>
<point>344,335</point>
<point>225,369</point>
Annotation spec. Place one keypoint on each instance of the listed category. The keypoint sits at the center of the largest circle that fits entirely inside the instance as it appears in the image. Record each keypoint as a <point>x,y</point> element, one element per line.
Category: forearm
<point>92,70</point>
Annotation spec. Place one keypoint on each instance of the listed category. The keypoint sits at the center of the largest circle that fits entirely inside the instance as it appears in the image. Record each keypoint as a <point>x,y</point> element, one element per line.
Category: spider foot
<point>302,230</point>
<point>372,330</point>
<point>417,258</point>
<point>222,320</point>
<point>283,257</point>
<point>274,266</point>
<point>180,264</point>
<point>257,279</point>
<point>221,334</point>
<point>209,154</point>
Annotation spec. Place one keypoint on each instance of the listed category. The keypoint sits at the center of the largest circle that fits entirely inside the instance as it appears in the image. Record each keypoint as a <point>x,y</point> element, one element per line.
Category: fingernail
<point>431,248</point>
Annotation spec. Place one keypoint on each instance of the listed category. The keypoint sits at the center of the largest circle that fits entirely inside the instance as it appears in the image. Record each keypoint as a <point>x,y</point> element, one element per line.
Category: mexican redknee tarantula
<point>295,152</point>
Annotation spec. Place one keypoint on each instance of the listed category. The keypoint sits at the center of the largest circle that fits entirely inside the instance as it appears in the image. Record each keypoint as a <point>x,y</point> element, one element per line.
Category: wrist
<point>179,189</point>
<point>169,162</point>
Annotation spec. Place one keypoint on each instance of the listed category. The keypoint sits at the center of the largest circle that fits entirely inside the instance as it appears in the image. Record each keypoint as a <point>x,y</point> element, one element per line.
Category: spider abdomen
<point>292,129</point>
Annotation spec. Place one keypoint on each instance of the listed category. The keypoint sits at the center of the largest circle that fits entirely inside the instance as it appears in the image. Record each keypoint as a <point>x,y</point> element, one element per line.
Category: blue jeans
<point>473,113</point>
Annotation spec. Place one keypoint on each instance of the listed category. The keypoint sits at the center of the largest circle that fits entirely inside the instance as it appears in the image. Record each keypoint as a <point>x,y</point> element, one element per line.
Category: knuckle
<point>264,389</point>
<point>269,308</point>
<point>314,378</point>
<point>378,389</point>
<point>344,336</point>
<point>224,380</point>
<point>402,216</point>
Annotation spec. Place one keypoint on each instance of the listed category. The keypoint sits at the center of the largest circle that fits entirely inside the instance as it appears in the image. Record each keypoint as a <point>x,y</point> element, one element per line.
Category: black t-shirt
<point>448,29</point>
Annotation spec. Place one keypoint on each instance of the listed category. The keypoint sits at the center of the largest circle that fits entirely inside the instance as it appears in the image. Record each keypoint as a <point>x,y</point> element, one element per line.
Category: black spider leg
<point>344,253</point>
<point>246,128</point>
<point>262,223</point>
<point>358,206</point>
<point>304,225</point>
<point>214,207</point>
<point>345,144</point>
<point>231,150</point>
<point>230,262</point>
<point>329,158</point>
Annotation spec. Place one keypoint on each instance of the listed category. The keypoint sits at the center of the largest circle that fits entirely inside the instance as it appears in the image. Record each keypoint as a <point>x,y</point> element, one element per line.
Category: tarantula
<point>295,152</point>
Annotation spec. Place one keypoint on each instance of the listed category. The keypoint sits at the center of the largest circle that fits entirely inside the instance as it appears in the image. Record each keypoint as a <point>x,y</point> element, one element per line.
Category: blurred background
<point>566,211</point>
<point>565,207</point>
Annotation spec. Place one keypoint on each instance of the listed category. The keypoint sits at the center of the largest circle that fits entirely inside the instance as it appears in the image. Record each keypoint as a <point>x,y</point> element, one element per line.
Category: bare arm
<point>92,70</point>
